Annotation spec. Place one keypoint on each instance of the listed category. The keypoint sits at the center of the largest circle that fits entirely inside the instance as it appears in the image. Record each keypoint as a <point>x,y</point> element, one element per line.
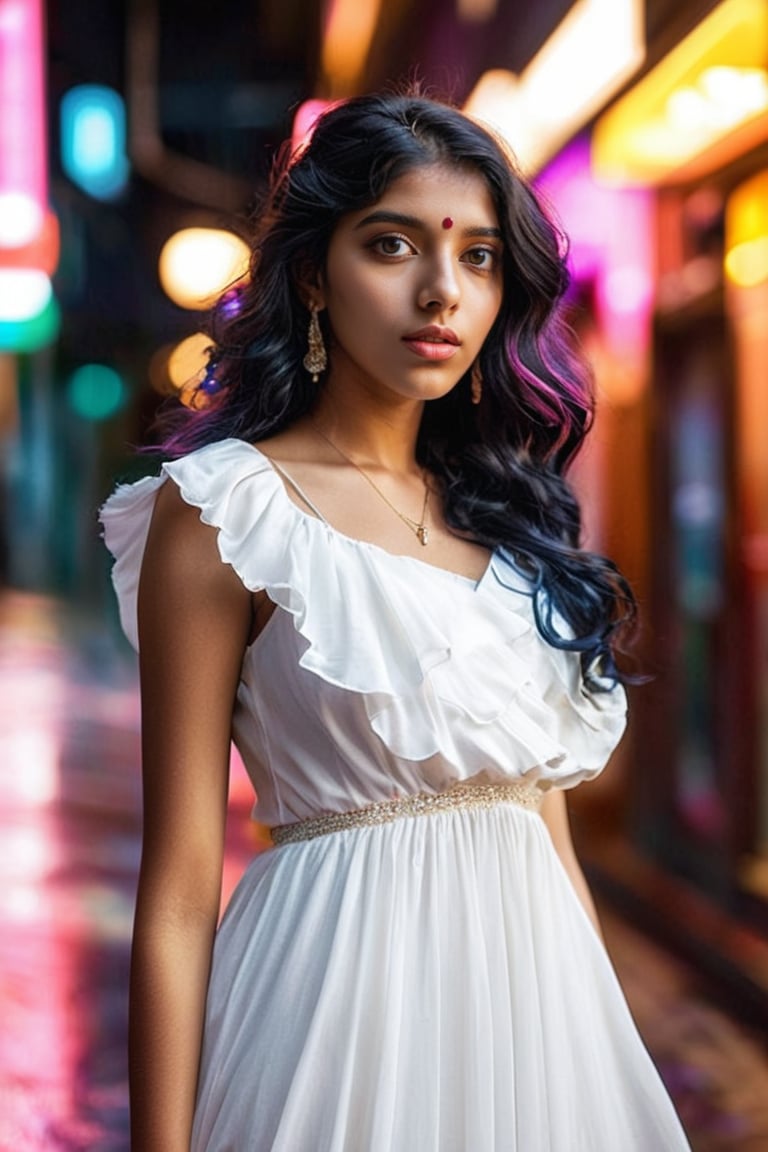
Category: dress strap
<point>290,480</point>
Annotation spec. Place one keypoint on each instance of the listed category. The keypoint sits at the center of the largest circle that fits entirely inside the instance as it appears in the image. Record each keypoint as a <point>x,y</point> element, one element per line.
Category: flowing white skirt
<point>432,985</point>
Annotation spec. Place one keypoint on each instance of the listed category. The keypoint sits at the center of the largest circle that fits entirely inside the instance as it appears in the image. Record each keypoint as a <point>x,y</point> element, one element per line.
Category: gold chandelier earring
<point>476,383</point>
<point>316,359</point>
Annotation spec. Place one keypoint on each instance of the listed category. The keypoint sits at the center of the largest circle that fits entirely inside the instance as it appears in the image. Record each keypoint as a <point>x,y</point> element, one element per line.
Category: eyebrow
<point>385,217</point>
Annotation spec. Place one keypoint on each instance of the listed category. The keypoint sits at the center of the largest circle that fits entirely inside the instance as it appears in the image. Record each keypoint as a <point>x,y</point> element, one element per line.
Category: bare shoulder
<point>180,545</point>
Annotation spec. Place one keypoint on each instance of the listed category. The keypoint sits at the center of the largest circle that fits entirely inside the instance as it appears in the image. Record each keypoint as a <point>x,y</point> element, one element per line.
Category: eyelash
<point>491,253</point>
<point>376,244</point>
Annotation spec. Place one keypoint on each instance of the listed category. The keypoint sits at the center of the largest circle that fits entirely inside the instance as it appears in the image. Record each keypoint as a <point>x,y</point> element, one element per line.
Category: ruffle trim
<point>445,668</point>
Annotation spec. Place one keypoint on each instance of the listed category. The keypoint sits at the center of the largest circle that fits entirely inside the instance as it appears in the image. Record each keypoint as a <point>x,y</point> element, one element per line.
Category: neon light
<point>746,232</point>
<point>93,140</point>
<point>610,231</point>
<point>747,264</point>
<point>702,105</point>
<point>21,219</point>
<point>347,39</point>
<point>41,253</point>
<point>24,293</point>
<point>307,115</point>
<point>594,50</point>
<point>32,334</point>
<point>23,137</point>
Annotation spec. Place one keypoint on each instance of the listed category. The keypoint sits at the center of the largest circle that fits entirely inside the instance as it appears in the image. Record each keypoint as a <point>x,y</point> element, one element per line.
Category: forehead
<point>432,192</point>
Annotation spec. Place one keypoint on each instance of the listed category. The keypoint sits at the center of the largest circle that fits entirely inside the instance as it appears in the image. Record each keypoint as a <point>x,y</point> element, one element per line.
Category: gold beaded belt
<point>461,797</point>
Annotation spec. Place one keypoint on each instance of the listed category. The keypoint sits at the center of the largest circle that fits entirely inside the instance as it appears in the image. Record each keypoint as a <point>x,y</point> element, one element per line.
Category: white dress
<point>431,984</point>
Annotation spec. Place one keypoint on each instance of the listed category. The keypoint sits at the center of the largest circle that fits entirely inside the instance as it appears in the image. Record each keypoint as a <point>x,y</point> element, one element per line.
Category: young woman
<point>361,561</point>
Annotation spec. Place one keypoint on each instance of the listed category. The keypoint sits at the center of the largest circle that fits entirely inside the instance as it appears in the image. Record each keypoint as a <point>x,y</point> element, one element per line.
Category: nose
<point>439,291</point>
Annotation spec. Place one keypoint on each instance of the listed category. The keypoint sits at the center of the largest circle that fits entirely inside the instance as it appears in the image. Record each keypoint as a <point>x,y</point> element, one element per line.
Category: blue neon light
<point>93,140</point>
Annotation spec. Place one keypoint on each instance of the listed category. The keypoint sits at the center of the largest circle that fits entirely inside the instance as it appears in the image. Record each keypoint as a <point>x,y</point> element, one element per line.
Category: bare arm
<point>555,815</point>
<point>194,618</point>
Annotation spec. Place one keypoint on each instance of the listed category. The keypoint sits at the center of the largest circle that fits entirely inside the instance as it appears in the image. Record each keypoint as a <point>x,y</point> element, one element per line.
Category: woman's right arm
<point>194,620</point>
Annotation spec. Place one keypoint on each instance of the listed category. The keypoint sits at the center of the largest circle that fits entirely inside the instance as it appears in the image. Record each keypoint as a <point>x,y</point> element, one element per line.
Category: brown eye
<point>392,246</point>
<point>481,257</point>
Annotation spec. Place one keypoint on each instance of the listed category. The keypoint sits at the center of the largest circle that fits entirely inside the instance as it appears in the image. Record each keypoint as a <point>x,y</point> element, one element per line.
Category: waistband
<point>461,797</point>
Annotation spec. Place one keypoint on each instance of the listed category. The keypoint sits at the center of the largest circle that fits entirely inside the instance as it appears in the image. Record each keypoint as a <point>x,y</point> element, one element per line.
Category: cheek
<point>487,312</point>
<point>359,305</point>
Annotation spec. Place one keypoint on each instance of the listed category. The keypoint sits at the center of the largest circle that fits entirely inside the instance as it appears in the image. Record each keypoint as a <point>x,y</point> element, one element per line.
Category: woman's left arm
<point>554,813</point>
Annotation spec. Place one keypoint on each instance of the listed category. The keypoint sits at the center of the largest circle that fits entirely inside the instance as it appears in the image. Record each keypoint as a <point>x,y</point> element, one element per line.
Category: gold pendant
<point>423,534</point>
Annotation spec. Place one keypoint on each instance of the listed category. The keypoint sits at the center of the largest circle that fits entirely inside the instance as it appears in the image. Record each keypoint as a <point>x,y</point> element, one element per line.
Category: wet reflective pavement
<point>69,800</point>
<point>70,835</point>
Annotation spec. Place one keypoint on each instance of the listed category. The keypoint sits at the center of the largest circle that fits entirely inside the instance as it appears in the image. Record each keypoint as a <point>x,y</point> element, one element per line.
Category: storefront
<point>687,838</point>
<point>658,169</point>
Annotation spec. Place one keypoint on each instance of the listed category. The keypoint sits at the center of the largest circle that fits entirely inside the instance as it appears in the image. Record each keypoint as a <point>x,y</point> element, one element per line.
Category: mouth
<point>433,342</point>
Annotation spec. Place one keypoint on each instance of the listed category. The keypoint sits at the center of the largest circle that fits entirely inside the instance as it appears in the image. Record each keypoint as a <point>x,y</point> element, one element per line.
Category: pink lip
<point>433,342</point>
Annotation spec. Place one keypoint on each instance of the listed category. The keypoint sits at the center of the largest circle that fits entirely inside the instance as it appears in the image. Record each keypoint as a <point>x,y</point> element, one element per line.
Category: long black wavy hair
<point>501,463</point>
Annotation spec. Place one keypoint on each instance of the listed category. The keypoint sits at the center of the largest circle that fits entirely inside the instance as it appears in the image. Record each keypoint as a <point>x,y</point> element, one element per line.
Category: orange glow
<point>346,42</point>
<point>41,252</point>
<point>746,233</point>
<point>188,361</point>
<point>747,264</point>
<point>593,51</point>
<point>197,264</point>
<point>476,11</point>
<point>496,99</point>
<point>699,107</point>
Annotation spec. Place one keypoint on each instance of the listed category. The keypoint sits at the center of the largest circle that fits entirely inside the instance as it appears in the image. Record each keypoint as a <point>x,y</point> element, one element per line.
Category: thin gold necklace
<point>417,526</point>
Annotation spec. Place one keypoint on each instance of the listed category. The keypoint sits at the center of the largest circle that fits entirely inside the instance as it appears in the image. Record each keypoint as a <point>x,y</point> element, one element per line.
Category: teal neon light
<point>93,140</point>
<point>96,391</point>
<point>31,334</point>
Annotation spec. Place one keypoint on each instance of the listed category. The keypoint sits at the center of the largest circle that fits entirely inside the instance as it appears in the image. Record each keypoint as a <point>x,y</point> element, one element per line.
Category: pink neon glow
<point>305,119</point>
<point>23,157</point>
<point>610,231</point>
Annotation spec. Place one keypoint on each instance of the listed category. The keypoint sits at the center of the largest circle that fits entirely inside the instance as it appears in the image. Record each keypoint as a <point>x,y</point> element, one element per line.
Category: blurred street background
<point>136,137</point>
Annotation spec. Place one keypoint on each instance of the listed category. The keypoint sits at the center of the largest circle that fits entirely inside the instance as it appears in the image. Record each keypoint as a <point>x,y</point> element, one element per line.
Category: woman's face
<point>413,284</point>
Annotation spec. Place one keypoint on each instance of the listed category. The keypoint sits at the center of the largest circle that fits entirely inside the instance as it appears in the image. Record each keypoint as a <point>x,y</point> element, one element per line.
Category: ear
<point>310,286</point>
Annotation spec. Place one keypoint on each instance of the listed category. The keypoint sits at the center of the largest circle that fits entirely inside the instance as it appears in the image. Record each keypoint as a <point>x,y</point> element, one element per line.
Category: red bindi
<point>447,222</point>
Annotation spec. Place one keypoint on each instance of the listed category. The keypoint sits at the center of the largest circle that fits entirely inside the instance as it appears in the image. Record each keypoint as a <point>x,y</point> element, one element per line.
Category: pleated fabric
<point>433,984</point>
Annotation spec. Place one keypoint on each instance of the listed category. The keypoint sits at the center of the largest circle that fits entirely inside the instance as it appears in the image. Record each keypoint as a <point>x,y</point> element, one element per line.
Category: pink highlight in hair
<point>555,404</point>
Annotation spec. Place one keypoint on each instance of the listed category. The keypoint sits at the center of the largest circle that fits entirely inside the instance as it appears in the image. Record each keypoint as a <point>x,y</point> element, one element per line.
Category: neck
<point>379,434</point>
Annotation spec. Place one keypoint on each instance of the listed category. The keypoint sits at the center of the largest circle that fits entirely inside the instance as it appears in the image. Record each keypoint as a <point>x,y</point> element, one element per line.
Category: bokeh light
<point>197,264</point>
<point>96,391</point>
<point>747,264</point>
<point>746,232</point>
<point>24,293</point>
<point>188,361</point>
<point>33,333</point>
<point>21,219</point>
<point>689,108</point>
<point>93,140</point>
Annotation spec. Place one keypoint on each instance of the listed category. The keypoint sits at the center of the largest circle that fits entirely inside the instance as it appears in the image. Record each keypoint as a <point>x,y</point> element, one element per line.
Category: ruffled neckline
<point>446,666</point>
<point>322,523</point>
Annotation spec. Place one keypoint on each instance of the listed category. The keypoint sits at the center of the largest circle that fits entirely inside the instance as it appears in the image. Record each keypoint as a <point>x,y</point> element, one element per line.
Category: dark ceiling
<point>210,90</point>
<point>225,77</point>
